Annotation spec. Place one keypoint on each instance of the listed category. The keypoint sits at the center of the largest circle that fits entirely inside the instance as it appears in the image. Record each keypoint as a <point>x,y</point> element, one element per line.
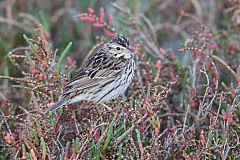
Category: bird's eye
<point>118,48</point>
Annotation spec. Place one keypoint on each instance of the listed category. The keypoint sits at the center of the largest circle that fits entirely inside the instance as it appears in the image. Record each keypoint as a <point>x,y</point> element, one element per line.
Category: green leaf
<point>52,121</point>
<point>238,70</point>
<point>44,149</point>
<point>119,130</point>
<point>44,21</point>
<point>77,144</point>
<point>29,59</point>
<point>109,135</point>
<point>122,137</point>
<point>29,156</point>
<point>38,124</point>
<point>216,138</point>
<point>210,137</point>
<point>120,152</point>
<point>67,148</point>
<point>91,152</point>
<point>103,129</point>
<point>23,149</point>
<point>36,139</point>
<point>138,134</point>
<point>31,46</point>
<point>63,56</point>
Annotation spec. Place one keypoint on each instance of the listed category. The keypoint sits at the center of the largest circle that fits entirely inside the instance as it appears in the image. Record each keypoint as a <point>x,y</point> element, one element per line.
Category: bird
<point>106,75</point>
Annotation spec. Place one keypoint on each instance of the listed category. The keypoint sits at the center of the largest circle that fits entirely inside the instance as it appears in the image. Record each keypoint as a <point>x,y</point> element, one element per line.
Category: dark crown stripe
<point>123,41</point>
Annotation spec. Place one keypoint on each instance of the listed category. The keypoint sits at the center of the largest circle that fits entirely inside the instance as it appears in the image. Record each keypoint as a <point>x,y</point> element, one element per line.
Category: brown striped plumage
<point>105,76</point>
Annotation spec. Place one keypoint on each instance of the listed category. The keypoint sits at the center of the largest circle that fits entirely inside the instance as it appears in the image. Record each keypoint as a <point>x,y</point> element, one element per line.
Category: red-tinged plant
<point>90,11</point>
<point>99,22</point>
<point>202,138</point>
<point>158,64</point>
<point>238,81</point>
<point>232,48</point>
<point>180,105</point>
<point>229,118</point>
<point>9,139</point>
<point>163,52</point>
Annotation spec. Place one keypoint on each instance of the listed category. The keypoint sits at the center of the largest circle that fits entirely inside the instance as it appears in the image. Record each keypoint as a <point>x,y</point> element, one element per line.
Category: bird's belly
<point>114,90</point>
<point>116,93</point>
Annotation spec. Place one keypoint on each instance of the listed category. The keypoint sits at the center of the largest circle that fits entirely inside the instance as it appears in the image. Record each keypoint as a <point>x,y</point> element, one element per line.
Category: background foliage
<point>183,102</point>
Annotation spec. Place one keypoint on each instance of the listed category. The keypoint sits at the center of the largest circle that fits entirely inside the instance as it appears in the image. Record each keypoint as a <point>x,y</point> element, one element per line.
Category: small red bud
<point>229,118</point>
<point>49,105</point>
<point>232,48</point>
<point>24,135</point>
<point>34,71</point>
<point>172,57</point>
<point>191,102</point>
<point>142,128</point>
<point>87,18</point>
<point>97,136</point>
<point>210,35</point>
<point>202,138</point>
<point>108,33</point>
<point>45,77</point>
<point>40,78</point>
<point>69,61</point>
<point>181,50</point>
<point>98,25</point>
<point>224,117</point>
<point>158,65</point>
<point>238,81</point>
<point>133,48</point>
<point>172,76</point>
<point>149,73</point>
<point>213,46</point>
<point>208,65</point>
<point>44,63</point>
<point>90,11</point>
<point>102,14</point>
<point>222,97</point>
<point>110,20</point>
<point>57,127</point>
<point>9,139</point>
<point>163,52</point>
<point>170,130</point>
<point>238,21</point>
<point>39,133</point>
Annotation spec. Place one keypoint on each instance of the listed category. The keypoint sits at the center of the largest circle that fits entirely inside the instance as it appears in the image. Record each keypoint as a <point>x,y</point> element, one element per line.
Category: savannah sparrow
<point>106,75</point>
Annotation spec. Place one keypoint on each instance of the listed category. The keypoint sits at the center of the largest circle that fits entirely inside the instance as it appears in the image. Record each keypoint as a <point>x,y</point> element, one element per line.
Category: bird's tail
<point>57,105</point>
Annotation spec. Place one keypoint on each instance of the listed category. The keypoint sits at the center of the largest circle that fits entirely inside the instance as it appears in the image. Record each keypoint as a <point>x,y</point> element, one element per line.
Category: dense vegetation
<point>184,101</point>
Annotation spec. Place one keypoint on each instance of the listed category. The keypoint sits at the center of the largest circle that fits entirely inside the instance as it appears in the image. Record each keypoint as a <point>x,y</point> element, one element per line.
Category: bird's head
<point>119,47</point>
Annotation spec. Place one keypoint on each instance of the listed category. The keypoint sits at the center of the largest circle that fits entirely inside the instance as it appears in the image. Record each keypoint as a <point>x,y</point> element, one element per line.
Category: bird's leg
<point>98,110</point>
<point>107,107</point>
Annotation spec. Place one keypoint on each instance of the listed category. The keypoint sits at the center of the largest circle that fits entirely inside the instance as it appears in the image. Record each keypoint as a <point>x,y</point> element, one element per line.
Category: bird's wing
<point>99,68</point>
